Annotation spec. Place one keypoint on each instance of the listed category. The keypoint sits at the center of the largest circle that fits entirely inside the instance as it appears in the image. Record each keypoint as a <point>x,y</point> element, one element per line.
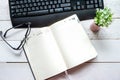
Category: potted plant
<point>102,19</point>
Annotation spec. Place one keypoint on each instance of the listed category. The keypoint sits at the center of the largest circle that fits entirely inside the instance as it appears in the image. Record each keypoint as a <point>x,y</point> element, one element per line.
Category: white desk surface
<point>107,43</point>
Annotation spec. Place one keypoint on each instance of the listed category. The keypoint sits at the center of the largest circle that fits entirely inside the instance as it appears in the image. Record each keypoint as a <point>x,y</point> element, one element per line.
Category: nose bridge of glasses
<point>0,33</point>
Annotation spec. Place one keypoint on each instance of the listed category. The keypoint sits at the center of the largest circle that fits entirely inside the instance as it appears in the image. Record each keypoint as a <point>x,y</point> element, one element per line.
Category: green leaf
<point>103,17</point>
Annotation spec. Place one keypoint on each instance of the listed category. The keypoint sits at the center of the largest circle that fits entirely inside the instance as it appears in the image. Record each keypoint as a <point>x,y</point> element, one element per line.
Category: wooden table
<point>107,43</point>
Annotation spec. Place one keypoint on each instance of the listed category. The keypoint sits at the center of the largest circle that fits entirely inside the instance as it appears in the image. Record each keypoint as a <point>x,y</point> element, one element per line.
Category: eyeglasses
<point>22,43</point>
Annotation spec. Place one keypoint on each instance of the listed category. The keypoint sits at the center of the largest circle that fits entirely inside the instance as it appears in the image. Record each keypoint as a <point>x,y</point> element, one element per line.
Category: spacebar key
<point>41,12</point>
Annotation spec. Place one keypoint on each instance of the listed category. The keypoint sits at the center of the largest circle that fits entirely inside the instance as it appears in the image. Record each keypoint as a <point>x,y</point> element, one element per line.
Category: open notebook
<point>59,47</point>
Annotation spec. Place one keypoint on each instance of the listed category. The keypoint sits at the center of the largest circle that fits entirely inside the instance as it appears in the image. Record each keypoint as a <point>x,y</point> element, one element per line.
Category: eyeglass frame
<point>22,43</point>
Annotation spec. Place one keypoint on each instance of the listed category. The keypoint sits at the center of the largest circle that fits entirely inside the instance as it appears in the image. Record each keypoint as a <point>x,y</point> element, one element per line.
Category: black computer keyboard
<point>45,12</point>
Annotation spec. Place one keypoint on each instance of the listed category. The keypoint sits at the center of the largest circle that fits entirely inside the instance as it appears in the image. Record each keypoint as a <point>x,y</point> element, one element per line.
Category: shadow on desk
<point>58,77</point>
<point>74,70</point>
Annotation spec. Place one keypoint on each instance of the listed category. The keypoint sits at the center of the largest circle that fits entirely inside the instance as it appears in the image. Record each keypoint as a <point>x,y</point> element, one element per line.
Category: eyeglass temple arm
<point>28,23</point>
<point>23,41</point>
<point>6,41</point>
<point>26,35</point>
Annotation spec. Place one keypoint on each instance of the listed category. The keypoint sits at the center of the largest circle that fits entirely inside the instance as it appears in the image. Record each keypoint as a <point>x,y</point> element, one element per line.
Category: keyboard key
<point>49,6</point>
<point>37,12</point>
<point>30,5</point>
<point>25,1</point>
<point>68,1</point>
<point>21,2</point>
<point>59,1</point>
<point>51,2</point>
<point>12,11</point>
<point>45,7</point>
<point>13,7</point>
<point>21,10</point>
<point>26,5</point>
<point>87,2</point>
<point>53,6</point>
<point>19,6</point>
<point>29,1</point>
<point>38,4</point>
<point>78,3</point>
<point>82,6</point>
<point>55,2</point>
<point>67,8</point>
<point>58,9</point>
<point>17,10</point>
<point>35,4</point>
<point>65,5</point>
<point>17,2</point>
<point>57,5</point>
<point>46,3</point>
<point>96,5</point>
<point>51,10</point>
<point>100,4</point>
<point>29,9</point>
<point>24,14</point>
<point>91,1</point>
<point>78,7</point>
<point>12,0</point>
<point>43,3</point>
<point>41,7</point>
<point>25,10</point>
<point>33,0</point>
<point>22,5</point>
<point>13,15</point>
<point>96,1</point>
<point>12,3</point>
<point>90,6</point>
<point>33,8</point>
<point>74,7</point>
<point>19,14</point>
<point>63,1</point>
